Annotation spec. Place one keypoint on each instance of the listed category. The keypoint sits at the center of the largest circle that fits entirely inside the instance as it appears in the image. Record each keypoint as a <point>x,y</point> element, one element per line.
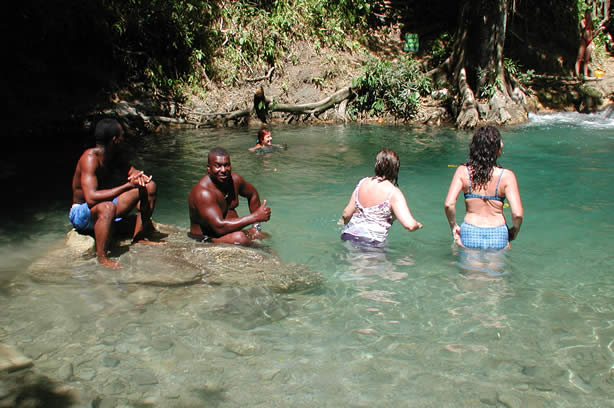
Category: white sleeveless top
<point>370,223</point>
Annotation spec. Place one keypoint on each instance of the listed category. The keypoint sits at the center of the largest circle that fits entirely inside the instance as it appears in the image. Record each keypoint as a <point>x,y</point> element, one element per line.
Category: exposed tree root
<point>468,116</point>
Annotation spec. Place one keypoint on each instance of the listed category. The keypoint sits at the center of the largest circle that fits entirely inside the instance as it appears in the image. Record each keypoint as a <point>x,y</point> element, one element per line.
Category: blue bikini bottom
<point>484,237</point>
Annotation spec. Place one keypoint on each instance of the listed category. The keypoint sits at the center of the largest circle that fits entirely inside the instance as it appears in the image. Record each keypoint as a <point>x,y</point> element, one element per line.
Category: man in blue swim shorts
<point>96,205</point>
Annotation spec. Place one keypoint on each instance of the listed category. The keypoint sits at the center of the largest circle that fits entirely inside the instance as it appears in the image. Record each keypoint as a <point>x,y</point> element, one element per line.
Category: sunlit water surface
<point>420,324</point>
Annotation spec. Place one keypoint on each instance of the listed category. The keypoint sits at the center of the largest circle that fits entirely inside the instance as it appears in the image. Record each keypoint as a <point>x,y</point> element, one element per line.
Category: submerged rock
<point>80,244</point>
<point>181,261</point>
<point>245,308</point>
<point>11,359</point>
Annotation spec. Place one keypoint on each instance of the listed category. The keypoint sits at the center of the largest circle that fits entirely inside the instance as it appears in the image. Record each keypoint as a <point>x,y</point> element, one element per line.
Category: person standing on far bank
<point>587,46</point>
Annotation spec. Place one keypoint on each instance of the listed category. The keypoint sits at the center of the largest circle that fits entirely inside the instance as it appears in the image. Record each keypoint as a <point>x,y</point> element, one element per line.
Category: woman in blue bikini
<point>485,185</point>
<point>375,203</point>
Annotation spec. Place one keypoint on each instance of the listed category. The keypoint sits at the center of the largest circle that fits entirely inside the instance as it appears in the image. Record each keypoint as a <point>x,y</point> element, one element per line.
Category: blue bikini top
<point>496,197</point>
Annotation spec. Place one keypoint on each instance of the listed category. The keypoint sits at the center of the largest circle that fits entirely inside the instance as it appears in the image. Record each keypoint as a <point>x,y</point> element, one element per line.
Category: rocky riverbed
<point>162,331</point>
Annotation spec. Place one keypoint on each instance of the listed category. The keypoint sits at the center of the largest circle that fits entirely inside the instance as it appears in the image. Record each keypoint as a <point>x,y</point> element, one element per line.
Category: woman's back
<point>375,202</point>
<point>484,204</point>
<point>372,215</point>
<point>486,186</point>
<point>373,192</point>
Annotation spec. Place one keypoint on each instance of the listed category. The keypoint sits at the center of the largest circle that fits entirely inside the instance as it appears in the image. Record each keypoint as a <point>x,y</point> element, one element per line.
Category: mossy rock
<point>181,261</point>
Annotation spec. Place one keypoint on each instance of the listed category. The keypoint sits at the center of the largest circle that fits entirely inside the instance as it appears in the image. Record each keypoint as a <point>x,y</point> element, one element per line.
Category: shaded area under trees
<point>71,56</point>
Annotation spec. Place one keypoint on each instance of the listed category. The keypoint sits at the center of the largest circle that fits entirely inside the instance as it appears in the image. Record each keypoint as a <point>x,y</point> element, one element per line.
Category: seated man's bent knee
<point>151,187</point>
<point>237,238</point>
<point>105,209</point>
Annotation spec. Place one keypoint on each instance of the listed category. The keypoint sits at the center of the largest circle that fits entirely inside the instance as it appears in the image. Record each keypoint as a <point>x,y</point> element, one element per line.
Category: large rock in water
<point>181,261</point>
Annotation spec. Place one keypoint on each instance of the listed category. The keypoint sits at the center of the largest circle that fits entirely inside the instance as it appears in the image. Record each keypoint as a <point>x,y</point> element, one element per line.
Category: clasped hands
<point>139,179</point>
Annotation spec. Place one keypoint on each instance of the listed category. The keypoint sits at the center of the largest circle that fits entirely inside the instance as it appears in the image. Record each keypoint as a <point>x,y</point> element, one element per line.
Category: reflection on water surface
<point>416,324</point>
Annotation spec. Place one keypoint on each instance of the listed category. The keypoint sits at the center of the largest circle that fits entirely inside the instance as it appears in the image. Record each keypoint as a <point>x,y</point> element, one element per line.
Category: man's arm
<point>211,214</point>
<point>248,191</point>
<point>89,183</point>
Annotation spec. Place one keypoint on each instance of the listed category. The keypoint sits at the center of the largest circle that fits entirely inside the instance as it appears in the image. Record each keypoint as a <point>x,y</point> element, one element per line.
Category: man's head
<point>108,131</point>
<point>264,137</point>
<point>588,15</point>
<point>218,166</point>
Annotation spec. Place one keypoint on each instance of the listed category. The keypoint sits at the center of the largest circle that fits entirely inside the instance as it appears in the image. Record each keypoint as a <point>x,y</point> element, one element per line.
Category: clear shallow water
<point>417,325</point>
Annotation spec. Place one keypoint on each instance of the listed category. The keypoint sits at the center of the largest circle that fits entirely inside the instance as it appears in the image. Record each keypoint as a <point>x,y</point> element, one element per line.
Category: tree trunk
<point>476,66</point>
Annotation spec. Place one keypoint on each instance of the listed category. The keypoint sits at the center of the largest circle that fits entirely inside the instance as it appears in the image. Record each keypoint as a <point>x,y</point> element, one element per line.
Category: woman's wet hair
<point>387,165</point>
<point>483,152</point>
<point>106,129</point>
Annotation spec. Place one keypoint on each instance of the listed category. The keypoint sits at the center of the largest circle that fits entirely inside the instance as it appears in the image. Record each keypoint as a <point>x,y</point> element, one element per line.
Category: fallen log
<point>316,107</point>
<point>263,106</point>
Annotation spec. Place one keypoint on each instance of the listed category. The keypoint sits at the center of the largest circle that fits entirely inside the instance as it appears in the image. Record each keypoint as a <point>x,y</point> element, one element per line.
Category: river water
<point>420,324</point>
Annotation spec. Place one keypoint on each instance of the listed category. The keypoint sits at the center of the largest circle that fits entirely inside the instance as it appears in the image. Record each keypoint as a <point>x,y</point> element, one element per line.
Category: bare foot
<point>155,234</point>
<point>254,233</point>
<point>107,263</point>
<point>151,236</point>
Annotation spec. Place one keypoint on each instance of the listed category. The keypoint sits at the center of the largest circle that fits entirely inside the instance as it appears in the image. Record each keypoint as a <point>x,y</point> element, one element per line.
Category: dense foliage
<point>255,35</point>
<point>394,87</point>
<point>66,53</point>
<point>108,44</point>
<point>159,40</point>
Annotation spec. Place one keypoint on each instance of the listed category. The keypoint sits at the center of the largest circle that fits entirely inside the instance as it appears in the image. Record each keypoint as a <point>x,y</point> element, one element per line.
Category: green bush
<point>441,48</point>
<point>390,86</point>
<point>256,35</point>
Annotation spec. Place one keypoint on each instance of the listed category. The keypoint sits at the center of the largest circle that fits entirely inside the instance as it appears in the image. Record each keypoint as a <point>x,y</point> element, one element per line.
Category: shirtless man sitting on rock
<point>213,201</point>
<point>97,205</point>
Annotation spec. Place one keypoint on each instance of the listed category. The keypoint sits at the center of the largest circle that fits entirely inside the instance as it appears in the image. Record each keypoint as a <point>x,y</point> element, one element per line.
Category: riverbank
<point>314,74</point>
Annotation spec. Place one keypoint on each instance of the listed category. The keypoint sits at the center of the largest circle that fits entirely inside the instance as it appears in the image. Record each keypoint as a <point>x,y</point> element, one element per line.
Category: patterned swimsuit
<point>369,225</point>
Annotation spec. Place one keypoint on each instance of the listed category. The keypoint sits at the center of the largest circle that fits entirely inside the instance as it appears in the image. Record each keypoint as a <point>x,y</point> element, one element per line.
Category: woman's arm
<point>349,209</point>
<point>401,211</point>
<point>513,197</point>
<point>456,186</point>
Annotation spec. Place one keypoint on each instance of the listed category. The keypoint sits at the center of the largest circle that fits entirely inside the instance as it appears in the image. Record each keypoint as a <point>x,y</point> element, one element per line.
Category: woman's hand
<point>456,234</point>
<point>512,233</point>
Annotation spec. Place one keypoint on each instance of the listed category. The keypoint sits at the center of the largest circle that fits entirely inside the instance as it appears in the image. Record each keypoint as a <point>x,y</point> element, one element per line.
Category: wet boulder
<point>180,262</point>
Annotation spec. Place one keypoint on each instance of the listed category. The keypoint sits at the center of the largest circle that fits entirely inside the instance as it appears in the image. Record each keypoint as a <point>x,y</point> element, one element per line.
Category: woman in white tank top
<point>375,203</point>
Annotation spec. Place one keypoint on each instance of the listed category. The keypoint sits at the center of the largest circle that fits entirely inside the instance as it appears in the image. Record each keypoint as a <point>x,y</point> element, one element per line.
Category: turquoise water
<point>420,324</point>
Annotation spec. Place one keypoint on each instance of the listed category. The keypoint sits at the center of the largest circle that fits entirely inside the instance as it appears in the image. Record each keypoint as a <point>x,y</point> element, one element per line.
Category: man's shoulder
<point>89,158</point>
<point>91,151</point>
<point>236,178</point>
<point>204,188</point>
